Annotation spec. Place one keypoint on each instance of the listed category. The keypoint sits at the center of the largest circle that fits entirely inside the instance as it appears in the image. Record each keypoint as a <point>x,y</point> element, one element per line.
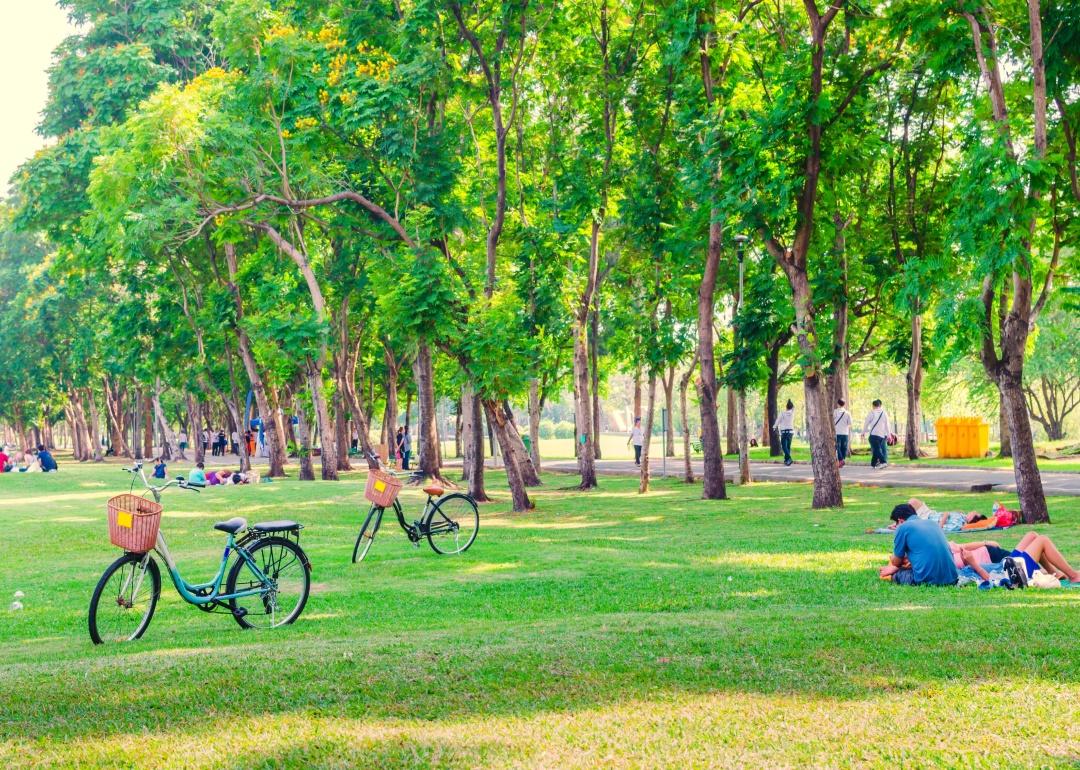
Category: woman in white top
<point>785,423</point>
<point>842,427</point>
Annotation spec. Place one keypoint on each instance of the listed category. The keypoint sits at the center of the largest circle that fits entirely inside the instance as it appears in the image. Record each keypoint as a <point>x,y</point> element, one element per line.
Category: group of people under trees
<point>922,555</point>
<point>38,460</point>
<point>219,442</point>
<point>401,451</point>
<point>877,428</point>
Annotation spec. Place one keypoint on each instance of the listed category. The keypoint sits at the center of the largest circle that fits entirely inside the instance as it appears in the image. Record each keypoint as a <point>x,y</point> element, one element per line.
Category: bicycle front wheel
<point>367,534</point>
<point>124,599</point>
<point>287,567</point>
<point>452,523</point>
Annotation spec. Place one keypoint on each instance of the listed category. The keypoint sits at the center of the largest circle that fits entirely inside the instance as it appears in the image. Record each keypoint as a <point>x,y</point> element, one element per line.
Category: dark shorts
<point>904,577</point>
<point>997,555</point>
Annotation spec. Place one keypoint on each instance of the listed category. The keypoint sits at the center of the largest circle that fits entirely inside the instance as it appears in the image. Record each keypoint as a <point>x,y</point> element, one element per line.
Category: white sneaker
<point>883,465</point>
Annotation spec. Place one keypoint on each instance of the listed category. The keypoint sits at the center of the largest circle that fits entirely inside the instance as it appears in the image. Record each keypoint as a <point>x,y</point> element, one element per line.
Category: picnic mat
<point>887,531</point>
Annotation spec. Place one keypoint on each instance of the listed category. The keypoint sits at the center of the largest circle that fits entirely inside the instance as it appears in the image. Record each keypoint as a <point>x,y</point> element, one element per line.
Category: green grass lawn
<point>604,630</point>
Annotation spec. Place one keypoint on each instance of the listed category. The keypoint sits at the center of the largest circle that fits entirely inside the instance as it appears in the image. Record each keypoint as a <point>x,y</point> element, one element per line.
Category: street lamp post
<point>744,444</point>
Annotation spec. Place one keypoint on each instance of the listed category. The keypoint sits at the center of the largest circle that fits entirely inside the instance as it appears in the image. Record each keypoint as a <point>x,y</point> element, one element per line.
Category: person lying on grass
<point>1035,551</point>
<point>949,521</point>
<point>921,554</point>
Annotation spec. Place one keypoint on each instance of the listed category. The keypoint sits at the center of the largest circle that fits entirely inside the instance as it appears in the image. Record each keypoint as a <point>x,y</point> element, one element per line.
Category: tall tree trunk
<point>772,394</point>
<point>328,454</point>
<point>472,425</point>
<point>148,426</point>
<point>914,390</point>
<point>426,434</point>
<point>637,396</point>
<point>1003,428</point>
<point>583,437</point>
<point>341,426</point>
<point>457,431</point>
<point>714,487</point>
<point>534,422</point>
<point>732,423</point>
<point>1029,488</point>
<point>114,405</point>
<point>744,440</point>
<point>594,370</point>
<point>669,423</point>
<point>517,446</point>
<point>95,427</point>
<point>828,492</point>
<point>643,485</point>
<point>195,412</point>
<point>501,427</point>
<point>303,443</point>
<point>684,386</point>
<point>271,422</point>
<point>167,433</point>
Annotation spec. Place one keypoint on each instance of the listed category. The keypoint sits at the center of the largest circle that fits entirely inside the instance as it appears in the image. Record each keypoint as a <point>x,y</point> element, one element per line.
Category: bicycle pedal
<point>240,612</point>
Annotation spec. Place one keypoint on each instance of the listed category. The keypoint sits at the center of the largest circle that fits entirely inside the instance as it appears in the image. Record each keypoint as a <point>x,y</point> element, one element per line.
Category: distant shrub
<point>547,429</point>
<point>564,430</point>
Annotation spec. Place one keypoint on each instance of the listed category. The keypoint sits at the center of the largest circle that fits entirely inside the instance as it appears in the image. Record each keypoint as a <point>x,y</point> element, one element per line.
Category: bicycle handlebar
<point>179,481</point>
<point>383,467</point>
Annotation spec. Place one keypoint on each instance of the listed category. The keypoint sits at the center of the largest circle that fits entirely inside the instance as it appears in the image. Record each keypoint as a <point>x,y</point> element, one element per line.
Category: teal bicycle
<point>266,587</point>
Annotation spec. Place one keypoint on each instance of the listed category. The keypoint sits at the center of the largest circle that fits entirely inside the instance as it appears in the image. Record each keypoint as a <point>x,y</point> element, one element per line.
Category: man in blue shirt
<point>45,457</point>
<point>921,554</point>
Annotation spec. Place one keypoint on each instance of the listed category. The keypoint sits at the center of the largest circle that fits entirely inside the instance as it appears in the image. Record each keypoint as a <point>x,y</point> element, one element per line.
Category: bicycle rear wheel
<point>124,599</point>
<point>367,533</point>
<point>452,523</point>
<point>287,566</point>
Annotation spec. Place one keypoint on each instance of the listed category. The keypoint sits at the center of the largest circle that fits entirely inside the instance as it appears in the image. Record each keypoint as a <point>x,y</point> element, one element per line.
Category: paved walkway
<point>961,479</point>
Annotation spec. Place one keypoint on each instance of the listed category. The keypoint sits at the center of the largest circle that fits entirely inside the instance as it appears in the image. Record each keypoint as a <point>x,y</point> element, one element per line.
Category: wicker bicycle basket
<point>382,488</point>
<point>134,522</point>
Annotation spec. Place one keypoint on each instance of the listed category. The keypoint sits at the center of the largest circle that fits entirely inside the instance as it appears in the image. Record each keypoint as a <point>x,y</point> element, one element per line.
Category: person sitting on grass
<point>197,475</point>
<point>921,554</point>
<point>45,458</point>
<point>33,465</point>
<point>160,469</point>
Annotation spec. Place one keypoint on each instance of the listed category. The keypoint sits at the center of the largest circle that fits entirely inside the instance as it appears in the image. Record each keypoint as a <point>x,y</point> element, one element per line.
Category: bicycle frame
<point>188,591</point>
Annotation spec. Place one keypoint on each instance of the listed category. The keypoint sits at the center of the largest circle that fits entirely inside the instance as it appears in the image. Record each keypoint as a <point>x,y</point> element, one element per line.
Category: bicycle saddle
<point>233,525</point>
<point>433,490</point>
<point>282,525</point>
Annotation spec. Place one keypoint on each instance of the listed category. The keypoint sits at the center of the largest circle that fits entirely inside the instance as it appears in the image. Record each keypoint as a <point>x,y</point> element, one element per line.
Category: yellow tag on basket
<point>380,485</point>
<point>123,519</point>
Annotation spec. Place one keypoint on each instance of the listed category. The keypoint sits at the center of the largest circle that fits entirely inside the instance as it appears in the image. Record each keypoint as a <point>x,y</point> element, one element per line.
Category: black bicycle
<point>449,522</point>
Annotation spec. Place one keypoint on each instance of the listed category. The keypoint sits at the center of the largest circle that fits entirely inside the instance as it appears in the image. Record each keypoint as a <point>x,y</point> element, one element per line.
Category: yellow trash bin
<point>962,436</point>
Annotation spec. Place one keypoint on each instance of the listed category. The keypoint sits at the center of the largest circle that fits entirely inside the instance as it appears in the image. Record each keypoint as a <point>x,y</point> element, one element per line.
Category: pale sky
<point>29,32</point>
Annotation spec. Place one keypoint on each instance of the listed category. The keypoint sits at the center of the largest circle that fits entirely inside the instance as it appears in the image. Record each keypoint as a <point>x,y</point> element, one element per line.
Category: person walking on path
<point>877,429</point>
<point>637,438</point>
<point>406,448</point>
<point>842,427</point>
<point>785,423</point>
